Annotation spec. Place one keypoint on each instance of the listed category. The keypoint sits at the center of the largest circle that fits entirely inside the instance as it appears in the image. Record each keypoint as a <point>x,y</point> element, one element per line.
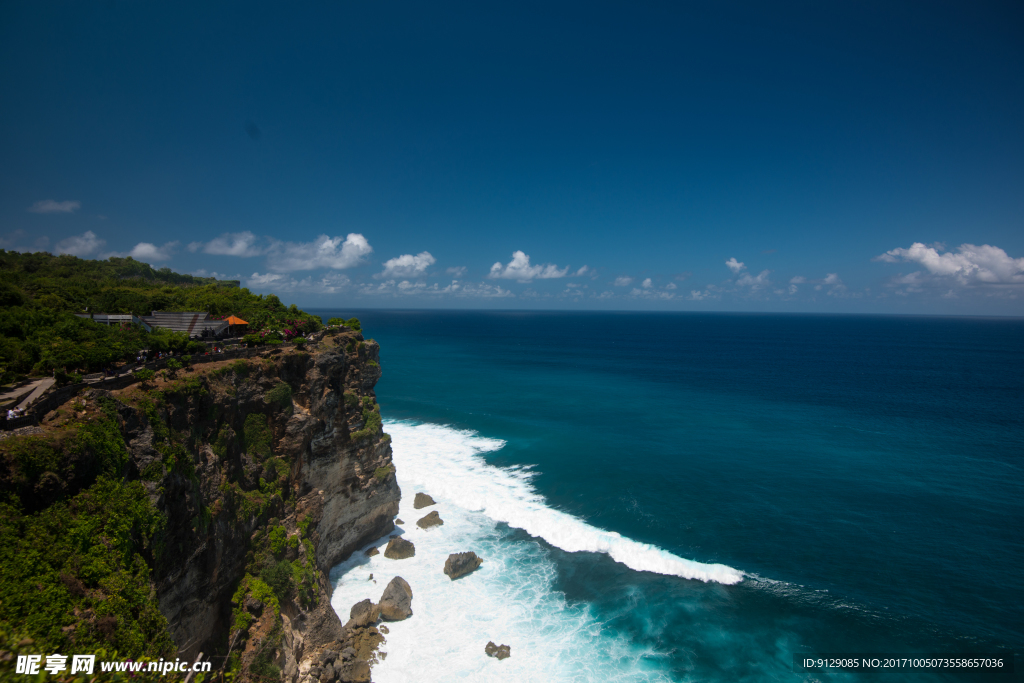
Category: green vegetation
<point>278,536</point>
<point>351,323</point>
<point>371,420</point>
<point>78,543</point>
<point>381,473</point>
<point>280,395</point>
<point>40,293</point>
<point>257,436</point>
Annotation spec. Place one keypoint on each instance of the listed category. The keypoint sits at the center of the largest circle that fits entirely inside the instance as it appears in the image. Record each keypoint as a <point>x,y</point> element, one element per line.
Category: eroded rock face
<point>433,519</point>
<point>422,500</point>
<point>396,602</point>
<point>459,564</point>
<point>497,651</point>
<point>320,445</point>
<point>399,549</point>
<point>371,552</point>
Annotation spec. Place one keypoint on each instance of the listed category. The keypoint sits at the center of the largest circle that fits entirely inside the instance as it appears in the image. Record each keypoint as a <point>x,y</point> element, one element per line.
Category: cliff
<point>244,482</point>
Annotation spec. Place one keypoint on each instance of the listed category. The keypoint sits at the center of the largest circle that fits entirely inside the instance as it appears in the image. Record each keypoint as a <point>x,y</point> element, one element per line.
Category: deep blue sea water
<point>864,474</point>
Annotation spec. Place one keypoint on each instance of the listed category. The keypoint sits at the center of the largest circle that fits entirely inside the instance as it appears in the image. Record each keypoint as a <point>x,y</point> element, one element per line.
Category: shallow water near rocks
<point>696,498</point>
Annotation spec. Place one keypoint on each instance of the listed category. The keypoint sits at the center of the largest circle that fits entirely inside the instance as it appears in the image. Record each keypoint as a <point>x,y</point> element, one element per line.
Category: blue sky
<point>843,157</point>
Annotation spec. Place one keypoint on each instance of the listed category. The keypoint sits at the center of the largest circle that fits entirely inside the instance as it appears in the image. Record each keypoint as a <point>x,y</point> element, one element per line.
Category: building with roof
<point>114,319</point>
<point>196,324</point>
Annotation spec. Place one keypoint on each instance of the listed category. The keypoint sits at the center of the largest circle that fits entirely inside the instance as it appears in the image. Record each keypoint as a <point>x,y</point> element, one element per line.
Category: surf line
<point>448,463</point>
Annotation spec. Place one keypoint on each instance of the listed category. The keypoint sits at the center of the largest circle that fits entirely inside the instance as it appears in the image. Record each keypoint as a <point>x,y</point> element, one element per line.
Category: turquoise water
<point>861,475</point>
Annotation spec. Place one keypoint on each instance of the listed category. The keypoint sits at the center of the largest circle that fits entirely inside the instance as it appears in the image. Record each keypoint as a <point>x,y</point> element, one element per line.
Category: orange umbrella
<point>235,320</point>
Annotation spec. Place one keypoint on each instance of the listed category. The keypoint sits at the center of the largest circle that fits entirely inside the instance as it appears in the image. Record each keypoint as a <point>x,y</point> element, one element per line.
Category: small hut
<point>236,325</point>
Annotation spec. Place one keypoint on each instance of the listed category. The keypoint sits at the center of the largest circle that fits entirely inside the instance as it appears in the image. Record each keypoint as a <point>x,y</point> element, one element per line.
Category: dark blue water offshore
<point>866,472</point>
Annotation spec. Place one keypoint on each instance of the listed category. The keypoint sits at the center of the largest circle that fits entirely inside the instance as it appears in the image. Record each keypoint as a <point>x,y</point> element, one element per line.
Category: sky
<point>861,157</point>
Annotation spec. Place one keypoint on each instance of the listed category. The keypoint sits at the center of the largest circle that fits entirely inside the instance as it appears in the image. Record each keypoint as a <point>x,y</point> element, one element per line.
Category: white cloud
<point>755,283</point>
<point>407,265</point>
<point>80,245</point>
<point>242,244</point>
<point>582,271</point>
<point>969,265</point>
<point>671,285</point>
<point>266,279</point>
<point>793,289</point>
<point>202,272</point>
<point>734,265</point>
<point>623,281</point>
<point>456,271</point>
<point>456,289</point>
<point>53,206</point>
<point>832,279</point>
<point>651,293</point>
<point>330,283</point>
<point>323,252</point>
<point>519,268</point>
<point>145,251</point>
<point>797,280</point>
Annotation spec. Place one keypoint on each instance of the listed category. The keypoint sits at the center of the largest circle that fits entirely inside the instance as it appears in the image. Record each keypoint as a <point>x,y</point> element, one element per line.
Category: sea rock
<point>398,521</point>
<point>372,551</point>
<point>460,564</point>
<point>362,614</point>
<point>433,519</point>
<point>399,549</point>
<point>422,500</point>
<point>497,651</point>
<point>396,602</point>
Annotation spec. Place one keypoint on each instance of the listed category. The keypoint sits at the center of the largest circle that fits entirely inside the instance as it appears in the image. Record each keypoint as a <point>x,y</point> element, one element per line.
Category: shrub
<point>258,436</point>
<point>299,341</point>
<point>381,473</point>
<point>145,375</point>
<point>278,538</point>
<point>334,322</point>
<point>173,366</point>
<point>278,576</point>
<point>280,395</point>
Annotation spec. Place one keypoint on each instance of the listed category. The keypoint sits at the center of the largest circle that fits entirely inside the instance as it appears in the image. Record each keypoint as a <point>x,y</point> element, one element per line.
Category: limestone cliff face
<point>269,471</point>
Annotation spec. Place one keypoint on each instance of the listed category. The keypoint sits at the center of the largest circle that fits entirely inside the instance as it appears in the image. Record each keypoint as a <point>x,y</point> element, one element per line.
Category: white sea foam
<point>511,599</point>
<point>447,463</point>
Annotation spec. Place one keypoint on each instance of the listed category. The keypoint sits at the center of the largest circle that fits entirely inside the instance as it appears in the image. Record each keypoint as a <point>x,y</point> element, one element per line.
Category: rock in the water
<point>497,651</point>
<point>460,564</point>
<point>433,519</point>
<point>399,549</point>
<point>422,500</point>
<point>372,551</point>
<point>396,603</point>
<point>398,521</point>
<point>363,614</point>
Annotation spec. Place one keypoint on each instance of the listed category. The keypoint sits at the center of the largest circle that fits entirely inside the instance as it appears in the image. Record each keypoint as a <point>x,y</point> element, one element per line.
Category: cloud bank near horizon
<point>968,270</point>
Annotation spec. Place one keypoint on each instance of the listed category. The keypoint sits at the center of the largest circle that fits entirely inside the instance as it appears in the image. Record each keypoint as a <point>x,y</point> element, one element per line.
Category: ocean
<point>698,497</point>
